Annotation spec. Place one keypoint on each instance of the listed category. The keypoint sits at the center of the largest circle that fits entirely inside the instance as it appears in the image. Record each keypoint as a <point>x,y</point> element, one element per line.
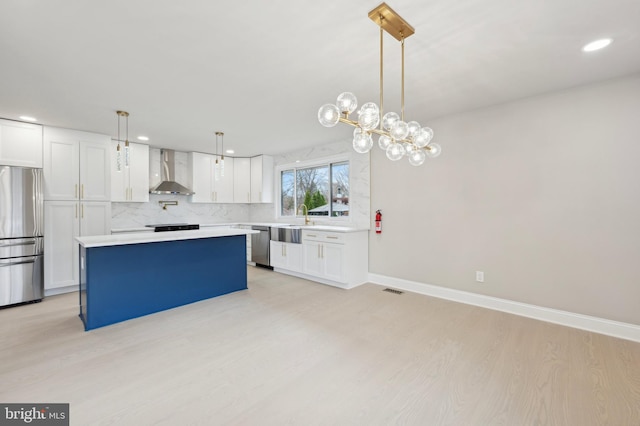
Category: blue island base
<point>121,282</point>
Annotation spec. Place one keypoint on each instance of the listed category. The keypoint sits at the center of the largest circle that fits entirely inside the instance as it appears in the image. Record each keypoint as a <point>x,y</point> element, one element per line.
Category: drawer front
<point>323,236</point>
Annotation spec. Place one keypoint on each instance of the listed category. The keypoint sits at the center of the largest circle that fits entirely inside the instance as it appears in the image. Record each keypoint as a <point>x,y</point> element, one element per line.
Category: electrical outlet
<point>480,276</point>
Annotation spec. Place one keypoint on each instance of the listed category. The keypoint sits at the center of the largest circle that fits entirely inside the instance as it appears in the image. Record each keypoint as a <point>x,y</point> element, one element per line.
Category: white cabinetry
<point>77,200</point>
<point>76,165</point>
<point>286,256</point>
<point>63,222</point>
<point>241,180</point>
<point>262,179</point>
<point>206,188</point>
<point>20,144</point>
<point>336,258</point>
<point>132,182</point>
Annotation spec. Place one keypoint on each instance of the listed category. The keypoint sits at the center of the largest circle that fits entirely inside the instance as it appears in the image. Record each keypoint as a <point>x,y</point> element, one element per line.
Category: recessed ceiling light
<point>143,138</point>
<point>27,118</point>
<point>597,45</point>
<point>230,151</point>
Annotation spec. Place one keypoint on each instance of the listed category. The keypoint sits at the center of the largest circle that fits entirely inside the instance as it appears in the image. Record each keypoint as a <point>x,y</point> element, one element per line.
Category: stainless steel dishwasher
<point>260,245</point>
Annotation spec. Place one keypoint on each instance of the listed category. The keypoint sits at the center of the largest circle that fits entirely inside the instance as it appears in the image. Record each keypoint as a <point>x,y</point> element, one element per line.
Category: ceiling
<point>259,71</point>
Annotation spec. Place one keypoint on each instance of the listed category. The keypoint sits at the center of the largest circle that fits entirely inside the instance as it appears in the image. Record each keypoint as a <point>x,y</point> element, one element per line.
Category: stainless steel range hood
<point>168,173</point>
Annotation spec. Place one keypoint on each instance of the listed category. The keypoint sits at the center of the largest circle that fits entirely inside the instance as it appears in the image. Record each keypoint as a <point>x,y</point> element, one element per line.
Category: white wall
<point>543,195</point>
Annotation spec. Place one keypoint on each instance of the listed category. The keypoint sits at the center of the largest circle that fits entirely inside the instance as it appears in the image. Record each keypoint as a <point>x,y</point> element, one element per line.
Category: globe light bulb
<point>395,152</point>
<point>384,141</point>
<point>417,157</point>
<point>369,116</point>
<point>423,137</point>
<point>347,102</point>
<point>389,120</point>
<point>408,147</point>
<point>362,141</point>
<point>413,127</point>
<point>399,130</point>
<point>328,115</point>
<point>434,151</point>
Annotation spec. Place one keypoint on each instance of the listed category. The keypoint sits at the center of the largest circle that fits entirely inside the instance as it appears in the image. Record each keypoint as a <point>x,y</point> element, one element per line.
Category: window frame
<point>317,162</point>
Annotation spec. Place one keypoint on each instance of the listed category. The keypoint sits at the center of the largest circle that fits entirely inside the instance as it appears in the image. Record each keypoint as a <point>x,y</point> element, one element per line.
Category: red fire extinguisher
<point>378,222</point>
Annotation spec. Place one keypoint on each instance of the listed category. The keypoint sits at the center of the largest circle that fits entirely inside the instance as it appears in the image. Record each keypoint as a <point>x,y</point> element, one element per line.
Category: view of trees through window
<point>323,189</point>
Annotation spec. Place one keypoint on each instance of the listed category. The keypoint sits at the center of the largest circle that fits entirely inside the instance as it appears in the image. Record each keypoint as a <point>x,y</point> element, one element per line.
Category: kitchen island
<point>126,276</point>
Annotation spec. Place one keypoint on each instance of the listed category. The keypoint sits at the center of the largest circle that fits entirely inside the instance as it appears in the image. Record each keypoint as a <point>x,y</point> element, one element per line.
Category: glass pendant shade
<point>347,102</point>
<point>384,141</point>
<point>369,116</point>
<point>362,141</point>
<point>127,154</point>
<point>328,115</point>
<point>399,130</point>
<point>222,167</point>
<point>389,120</point>
<point>417,157</point>
<point>395,152</point>
<point>413,127</point>
<point>435,150</point>
<point>423,137</point>
<point>409,147</point>
<point>118,158</point>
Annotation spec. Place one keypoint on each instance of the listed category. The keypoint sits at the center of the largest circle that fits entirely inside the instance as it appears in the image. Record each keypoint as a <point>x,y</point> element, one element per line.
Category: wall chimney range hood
<point>168,173</point>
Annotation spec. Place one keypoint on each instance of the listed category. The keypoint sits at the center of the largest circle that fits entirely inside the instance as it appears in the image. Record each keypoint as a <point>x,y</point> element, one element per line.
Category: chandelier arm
<point>402,90</point>
<point>381,70</point>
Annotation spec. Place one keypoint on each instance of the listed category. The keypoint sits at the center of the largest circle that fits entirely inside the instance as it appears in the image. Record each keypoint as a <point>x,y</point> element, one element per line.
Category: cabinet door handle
<point>285,250</point>
<point>82,191</point>
<point>318,251</point>
<point>76,211</point>
<point>82,211</point>
<point>75,191</point>
<point>322,251</point>
<point>332,238</point>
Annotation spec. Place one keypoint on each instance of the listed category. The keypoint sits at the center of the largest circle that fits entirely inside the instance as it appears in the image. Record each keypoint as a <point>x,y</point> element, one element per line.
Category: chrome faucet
<point>306,213</point>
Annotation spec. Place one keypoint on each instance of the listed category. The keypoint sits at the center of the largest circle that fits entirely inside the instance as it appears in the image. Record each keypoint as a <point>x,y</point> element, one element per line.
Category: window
<point>323,188</point>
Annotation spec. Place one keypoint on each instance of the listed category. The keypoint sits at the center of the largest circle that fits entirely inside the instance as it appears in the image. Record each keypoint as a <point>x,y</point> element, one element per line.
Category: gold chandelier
<point>397,137</point>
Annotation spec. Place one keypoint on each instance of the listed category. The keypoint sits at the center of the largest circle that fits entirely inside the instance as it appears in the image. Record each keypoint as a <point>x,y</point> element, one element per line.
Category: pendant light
<point>119,150</point>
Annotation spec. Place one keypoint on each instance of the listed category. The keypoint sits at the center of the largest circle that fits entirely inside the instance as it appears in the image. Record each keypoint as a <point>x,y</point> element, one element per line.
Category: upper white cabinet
<point>132,182</point>
<point>76,165</point>
<point>20,144</point>
<point>262,179</point>
<point>206,188</point>
<point>241,180</point>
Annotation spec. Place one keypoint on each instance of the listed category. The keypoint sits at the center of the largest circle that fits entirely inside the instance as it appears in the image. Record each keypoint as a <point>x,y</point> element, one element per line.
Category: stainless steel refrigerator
<point>21,235</point>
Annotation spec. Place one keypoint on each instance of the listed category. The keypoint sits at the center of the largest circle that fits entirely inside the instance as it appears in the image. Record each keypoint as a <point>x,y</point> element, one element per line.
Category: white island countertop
<point>154,237</point>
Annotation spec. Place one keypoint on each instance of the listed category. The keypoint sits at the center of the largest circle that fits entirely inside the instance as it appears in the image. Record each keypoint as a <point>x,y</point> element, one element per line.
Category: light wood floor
<point>292,352</point>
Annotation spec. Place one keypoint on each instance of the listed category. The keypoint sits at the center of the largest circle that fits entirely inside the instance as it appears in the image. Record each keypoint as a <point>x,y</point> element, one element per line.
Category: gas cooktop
<point>164,227</point>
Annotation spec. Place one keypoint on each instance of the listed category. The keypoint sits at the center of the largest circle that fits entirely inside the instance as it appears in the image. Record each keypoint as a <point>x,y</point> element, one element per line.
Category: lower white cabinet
<point>63,222</point>
<point>336,258</point>
<point>286,256</point>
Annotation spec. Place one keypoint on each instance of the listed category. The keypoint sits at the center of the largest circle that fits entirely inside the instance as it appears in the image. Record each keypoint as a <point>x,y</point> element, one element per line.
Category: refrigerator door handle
<point>11,243</point>
<point>16,261</point>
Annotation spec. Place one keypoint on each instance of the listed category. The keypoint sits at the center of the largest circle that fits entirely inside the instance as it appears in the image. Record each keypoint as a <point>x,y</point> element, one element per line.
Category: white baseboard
<point>584,322</point>
<point>60,290</point>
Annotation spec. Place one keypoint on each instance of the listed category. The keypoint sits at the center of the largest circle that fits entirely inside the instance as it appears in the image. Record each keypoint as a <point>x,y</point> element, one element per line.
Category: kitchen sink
<point>287,234</point>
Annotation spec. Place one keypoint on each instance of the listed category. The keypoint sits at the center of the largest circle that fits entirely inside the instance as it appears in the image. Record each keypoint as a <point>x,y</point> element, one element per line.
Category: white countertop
<point>154,237</point>
<point>332,228</point>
